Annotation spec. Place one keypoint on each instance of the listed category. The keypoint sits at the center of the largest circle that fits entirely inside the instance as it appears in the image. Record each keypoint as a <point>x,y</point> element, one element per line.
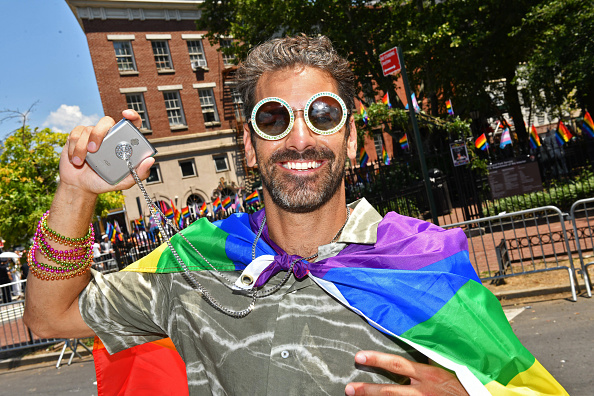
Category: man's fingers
<point>363,389</point>
<point>133,116</point>
<point>392,363</point>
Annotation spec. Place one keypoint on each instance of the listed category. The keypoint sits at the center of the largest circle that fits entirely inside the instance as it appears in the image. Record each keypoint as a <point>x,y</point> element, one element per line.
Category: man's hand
<point>424,379</point>
<point>74,171</point>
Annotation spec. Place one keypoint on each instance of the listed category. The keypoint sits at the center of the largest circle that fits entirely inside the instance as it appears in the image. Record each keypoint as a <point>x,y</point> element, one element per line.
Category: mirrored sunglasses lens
<point>272,118</point>
<point>325,113</point>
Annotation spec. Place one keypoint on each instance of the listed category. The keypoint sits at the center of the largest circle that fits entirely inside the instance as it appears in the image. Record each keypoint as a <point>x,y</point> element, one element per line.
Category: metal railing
<point>581,221</point>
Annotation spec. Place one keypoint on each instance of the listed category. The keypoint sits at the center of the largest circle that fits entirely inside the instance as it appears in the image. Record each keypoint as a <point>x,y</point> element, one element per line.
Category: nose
<point>301,137</point>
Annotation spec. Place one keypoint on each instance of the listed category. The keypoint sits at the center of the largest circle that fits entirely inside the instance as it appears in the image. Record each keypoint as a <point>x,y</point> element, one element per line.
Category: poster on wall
<point>459,154</point>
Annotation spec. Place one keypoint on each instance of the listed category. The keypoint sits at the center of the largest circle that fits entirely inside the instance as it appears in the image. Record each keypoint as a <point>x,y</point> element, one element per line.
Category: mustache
<point>310,154</point>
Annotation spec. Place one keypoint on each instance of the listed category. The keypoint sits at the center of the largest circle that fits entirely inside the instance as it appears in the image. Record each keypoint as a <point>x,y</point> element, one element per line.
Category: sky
<point>46,63</point>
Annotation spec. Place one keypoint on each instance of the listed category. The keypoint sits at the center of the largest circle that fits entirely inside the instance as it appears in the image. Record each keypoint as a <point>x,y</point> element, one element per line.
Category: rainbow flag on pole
<point>534,138</point>
<point>226,202</point>
<point>216,205</point>
<point>363,113</point>
<point>203,209</point>
<point>253,198</point>
<point>403,142</point>
<point>363,158</point>
<point>588,125</point>
<point>562,135</point>
<point>449,107</point>
<point>385,156</point>
<point>415,283</point>
<point>481,142</point>
<point>386,100</point>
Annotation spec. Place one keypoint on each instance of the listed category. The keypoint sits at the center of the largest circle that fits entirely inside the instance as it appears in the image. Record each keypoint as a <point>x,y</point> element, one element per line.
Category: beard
<point>303,193</point>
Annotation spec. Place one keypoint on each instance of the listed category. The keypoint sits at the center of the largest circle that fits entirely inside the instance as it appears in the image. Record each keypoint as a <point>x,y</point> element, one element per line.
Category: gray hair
<point>300,50</point>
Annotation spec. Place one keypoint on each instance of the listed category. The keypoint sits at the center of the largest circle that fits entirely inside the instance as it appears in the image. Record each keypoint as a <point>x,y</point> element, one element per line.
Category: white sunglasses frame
<point>305,116</point>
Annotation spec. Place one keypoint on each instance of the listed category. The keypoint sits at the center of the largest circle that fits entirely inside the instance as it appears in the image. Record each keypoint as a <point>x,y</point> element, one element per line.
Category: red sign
<point>390,62</point>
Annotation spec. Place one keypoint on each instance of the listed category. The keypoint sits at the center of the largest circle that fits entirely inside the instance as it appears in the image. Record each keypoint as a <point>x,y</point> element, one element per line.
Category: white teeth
<point>301,165</point>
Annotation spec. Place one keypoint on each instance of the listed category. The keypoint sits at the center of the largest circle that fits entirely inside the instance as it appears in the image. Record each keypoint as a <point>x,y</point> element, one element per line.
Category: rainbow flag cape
<point>385,156</point>
<point>386,100</point>
<point>415,284</point>
<point>562,135</point>
<point>588,125</point>
<point>481,142</point>
<point>363,113</point>
<point>363,158</point>
<point>449,107</point>
<point>534,138</point>
<point>227,202</point>
<point>404,142</point>
<point>253,198</point>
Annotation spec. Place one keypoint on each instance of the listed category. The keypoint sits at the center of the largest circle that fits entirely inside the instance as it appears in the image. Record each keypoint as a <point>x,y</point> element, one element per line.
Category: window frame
<point>219,157</point>
<point>132,60</point>
<point>190,161</point>
<point>227,59</point>
<point>157,169</point>
<point>166,55</point>
<point>208,108</point>
<point>197,56</point>
<point>140,108</point>
<point>179,108</point>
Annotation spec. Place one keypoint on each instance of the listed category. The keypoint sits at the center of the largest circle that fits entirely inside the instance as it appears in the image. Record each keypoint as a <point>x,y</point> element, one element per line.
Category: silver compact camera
<point>123,141</point>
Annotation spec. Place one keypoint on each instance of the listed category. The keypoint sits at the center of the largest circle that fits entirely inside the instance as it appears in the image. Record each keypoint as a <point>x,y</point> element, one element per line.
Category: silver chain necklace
<point>159,218</point>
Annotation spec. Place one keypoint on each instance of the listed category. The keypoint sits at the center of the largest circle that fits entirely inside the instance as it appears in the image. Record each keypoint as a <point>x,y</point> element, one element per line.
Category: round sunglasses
<point>325,113</point>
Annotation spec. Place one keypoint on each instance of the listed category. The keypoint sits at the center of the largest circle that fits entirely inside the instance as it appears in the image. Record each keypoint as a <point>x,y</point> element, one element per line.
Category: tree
<point>561,65</point>
<point>28,180</point>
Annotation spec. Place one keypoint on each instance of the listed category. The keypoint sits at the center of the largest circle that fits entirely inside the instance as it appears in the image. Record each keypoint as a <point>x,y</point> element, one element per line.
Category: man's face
<point>303,170</point>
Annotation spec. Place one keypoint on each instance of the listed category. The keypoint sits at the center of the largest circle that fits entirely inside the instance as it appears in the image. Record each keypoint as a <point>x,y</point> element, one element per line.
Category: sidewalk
<point>25,358</point>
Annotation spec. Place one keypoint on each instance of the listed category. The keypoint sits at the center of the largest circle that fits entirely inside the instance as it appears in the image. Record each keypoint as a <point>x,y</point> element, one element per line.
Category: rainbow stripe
<point>404,142</point>
<point>588,125</point>
<point>253,198</point>
<point>562,135</point>
<point>227,202</point>
<point>363,113</point>
<point>363,158</point>
<point>534,138</point>
<point>411,284</point>
<point>385,156</point>
<point>203,209</point>
<point>386,100</point>
<point>185,212</point>
<point>481,142</point>
<point>449,107</point>
<point>216,205</point>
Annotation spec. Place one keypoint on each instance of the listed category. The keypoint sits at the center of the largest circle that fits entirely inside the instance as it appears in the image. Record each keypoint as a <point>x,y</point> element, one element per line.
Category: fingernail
<point>349,390</point>
<point>91,146</point>
<point>76,161</point>
<point>360,358</point>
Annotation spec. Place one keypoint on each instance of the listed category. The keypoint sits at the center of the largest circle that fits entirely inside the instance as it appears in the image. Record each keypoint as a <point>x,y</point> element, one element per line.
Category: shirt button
<point>285,354</point>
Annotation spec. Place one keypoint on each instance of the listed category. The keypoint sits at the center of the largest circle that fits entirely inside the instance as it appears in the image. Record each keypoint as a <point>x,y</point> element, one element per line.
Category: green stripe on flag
<point>471,329</point>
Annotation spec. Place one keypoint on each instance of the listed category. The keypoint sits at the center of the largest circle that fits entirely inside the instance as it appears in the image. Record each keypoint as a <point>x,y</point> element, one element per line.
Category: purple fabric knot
<point>282,262</point>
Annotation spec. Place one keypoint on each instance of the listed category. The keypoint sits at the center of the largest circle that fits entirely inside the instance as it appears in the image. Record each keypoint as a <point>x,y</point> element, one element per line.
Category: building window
<point>540,118</point>
<point>221,163</point>
<point>175,112</point>
<point>124,56</point>
<point>237,104</point>
<point>196,52</point>
<point>135,101</point>
<point>188,168</point>
<point>161,54</point>
<point>209,107</point>
<point>154,175</point>
<point>378,142</point>
<point>227,58</point>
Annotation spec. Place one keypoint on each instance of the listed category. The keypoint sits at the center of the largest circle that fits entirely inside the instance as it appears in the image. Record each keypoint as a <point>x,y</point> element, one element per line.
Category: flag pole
<point>413,118</point>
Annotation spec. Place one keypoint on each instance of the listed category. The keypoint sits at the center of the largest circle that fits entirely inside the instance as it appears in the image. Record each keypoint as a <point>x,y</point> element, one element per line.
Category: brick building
<point>148,56</point>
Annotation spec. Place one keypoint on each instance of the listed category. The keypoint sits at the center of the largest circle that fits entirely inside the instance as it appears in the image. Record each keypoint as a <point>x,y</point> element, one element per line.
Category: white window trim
<point>158,37</point>
<point>121,37</point>
<point>133,90</point>
<point>204,85</point>
<point>192,36</point>
<point>170,87</point>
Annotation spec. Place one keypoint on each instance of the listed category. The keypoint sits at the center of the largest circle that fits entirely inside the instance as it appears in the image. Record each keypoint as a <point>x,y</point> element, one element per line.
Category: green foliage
<point>28,180</point>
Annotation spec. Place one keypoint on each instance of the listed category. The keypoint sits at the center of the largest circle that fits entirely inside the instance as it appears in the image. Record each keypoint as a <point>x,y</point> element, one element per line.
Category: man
<point>296,336</point>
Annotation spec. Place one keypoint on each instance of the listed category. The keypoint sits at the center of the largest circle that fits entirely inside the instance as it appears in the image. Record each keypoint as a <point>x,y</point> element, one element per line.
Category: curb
<point>16,362</point>
<point>538,291</point>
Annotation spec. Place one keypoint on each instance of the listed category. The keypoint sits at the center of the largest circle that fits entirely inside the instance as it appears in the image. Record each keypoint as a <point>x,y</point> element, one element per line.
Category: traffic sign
<point>390,62</point>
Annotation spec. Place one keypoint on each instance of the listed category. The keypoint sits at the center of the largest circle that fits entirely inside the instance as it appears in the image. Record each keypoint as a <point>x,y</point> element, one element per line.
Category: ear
<point>250,151</point>
<point>352,141</point>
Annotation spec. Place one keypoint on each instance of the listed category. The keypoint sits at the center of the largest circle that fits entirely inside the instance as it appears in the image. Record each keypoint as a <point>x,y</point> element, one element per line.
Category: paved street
<point>558,332</point>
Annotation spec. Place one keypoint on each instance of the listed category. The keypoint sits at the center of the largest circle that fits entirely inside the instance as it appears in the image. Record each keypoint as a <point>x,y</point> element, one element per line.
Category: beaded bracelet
<point>72,262</point>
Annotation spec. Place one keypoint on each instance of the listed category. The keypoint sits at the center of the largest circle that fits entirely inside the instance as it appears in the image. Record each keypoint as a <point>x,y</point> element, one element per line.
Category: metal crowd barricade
<point>581,221</point>
<point>519,243</point>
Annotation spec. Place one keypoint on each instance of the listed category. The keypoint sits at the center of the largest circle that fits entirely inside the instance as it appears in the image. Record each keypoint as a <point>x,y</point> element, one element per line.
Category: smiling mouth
<point>302,166</point>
